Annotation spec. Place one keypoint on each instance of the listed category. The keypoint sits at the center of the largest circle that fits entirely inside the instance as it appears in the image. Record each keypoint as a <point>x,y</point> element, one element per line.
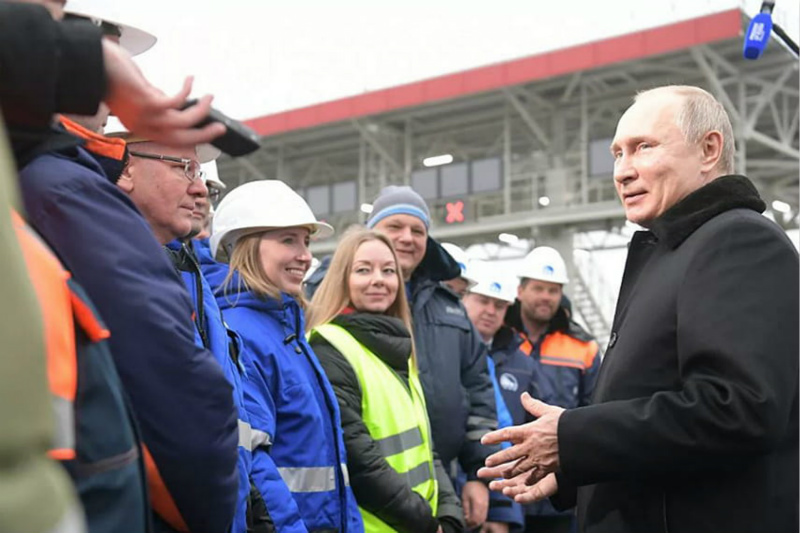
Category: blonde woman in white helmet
<point>299,466</point>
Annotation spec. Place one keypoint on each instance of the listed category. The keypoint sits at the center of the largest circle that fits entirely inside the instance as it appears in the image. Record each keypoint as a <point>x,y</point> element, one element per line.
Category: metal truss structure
<point>543,132</point>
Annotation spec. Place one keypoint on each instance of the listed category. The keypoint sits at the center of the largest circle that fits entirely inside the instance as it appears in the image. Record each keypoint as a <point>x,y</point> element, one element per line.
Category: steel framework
<point>543,131</point>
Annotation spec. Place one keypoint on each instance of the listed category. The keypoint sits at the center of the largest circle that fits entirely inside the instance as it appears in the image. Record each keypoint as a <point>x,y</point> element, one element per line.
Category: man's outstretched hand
<point>533,454</point>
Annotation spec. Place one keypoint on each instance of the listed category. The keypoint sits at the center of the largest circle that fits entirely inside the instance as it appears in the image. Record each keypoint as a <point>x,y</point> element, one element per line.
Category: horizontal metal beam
<point>598,212</point>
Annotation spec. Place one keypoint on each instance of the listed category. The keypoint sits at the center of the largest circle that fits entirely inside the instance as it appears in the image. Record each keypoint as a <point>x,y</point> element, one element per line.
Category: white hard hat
<point>493,281</point>
<point>133,40</point>
<point>460,257</point>
<point>545,264</point>
<point>211,174</point>
<point>259,206</point>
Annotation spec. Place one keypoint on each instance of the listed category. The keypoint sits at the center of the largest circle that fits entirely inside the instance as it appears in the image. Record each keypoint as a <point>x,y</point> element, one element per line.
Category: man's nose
<point>197,187</point>
<point>624,170</point>
<point>405,235</point>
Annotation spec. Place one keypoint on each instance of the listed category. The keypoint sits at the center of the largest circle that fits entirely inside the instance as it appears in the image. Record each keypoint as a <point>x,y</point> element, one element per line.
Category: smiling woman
<point>360,328</point>
<point>264,227</point>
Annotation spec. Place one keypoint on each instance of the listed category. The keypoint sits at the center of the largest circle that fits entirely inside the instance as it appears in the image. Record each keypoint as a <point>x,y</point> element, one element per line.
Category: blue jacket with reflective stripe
<point>302,470</point>
<point>218,342</point>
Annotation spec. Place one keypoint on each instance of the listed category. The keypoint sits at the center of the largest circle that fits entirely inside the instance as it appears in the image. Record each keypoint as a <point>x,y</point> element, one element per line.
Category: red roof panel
<point>678,36</point>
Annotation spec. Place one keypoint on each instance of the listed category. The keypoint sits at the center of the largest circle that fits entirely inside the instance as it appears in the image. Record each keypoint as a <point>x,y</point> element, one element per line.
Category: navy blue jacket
<point>179,393</point>
<point>300,465</point>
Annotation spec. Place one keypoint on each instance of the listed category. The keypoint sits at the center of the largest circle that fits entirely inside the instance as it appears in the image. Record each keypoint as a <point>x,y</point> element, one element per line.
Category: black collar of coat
<point>722,194</point>
<point>385,336</point>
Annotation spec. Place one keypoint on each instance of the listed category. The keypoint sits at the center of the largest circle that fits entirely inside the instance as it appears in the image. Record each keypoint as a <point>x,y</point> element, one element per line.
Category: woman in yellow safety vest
<point>359,326</point>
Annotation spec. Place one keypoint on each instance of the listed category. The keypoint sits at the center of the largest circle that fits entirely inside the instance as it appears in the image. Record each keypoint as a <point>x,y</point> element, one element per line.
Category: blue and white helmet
<point>493,281</point>
<point>462,259</point>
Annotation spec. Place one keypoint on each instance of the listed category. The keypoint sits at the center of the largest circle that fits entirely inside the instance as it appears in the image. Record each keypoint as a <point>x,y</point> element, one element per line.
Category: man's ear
<point>712,144</point>
<point>125,181</point>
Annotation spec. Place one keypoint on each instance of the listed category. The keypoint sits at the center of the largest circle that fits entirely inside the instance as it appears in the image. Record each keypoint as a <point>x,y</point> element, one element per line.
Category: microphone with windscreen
<point>757,37</point>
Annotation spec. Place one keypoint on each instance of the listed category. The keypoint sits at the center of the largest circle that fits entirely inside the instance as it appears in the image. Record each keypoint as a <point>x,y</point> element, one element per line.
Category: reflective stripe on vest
<point>395,416</point>
<point>50,283</point>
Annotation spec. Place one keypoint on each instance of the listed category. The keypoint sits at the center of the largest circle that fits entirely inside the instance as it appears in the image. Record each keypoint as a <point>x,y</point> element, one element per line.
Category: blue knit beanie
<point>399,200</point>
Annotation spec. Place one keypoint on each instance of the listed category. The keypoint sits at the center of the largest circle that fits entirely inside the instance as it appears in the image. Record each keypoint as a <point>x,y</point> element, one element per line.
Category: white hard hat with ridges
<point>132,39</point>
<point>461,258</point>
<point>493,281</point>
<point>544,264</point>
<point>259,206</point>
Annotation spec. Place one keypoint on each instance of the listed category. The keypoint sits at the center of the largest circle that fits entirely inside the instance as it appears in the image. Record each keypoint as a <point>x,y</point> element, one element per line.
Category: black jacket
<point>376,485</point>
<point>694,426</point>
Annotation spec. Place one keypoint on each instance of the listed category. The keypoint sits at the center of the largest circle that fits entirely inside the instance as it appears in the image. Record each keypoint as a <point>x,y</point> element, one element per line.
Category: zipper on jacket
<point>664,511</point>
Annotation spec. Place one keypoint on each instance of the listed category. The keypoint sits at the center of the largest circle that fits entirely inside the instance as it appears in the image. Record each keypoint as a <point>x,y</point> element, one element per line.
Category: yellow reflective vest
<point>395,416</point>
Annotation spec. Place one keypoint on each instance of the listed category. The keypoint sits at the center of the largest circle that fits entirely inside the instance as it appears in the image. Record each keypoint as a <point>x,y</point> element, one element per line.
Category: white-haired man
<point>694,420</point>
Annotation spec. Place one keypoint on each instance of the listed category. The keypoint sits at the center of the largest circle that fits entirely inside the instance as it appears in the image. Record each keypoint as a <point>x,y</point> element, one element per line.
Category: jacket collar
<point>385,336</point>
<point>111,153</point>
<point>723,194</point>
<point>436,264</point>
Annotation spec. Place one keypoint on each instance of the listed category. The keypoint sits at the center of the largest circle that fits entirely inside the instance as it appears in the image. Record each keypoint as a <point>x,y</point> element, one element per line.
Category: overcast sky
<point>262,56</point>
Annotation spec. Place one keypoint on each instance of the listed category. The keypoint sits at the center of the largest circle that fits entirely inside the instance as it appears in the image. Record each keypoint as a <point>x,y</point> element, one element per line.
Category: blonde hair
<point>333,294</point>
<point>699,114</point>
<point>246,260</point>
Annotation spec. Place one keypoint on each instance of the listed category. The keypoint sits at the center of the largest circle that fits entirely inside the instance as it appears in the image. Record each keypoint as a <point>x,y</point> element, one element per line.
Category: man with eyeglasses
<point>165,184</point>
<point>178,391</point>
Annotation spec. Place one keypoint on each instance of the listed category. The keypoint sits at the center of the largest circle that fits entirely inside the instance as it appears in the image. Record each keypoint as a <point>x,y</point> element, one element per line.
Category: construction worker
<point>486,302</point>
<point>188,426</point>
<point>567,357</point>
<point>299,463</point>
<point>462,283</point>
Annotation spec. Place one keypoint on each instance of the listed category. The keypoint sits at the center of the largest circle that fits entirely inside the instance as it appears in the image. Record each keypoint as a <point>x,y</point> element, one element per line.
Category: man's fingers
<point>190,137</point>
<point>536,475</point>
<point>497,436</point>
<point>466,503</point>
<point>541,490</point>
<point>492,472</point>
<point>535,407</point>
<point>500,485</point>
<point>523,466</point>
<point>506,456</point>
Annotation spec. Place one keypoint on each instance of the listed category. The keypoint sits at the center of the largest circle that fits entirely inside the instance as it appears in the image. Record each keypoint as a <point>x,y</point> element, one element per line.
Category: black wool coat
<point>694,422</point>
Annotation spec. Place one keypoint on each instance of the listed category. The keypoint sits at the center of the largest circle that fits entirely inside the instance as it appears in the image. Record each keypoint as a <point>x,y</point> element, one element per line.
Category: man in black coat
<point>694,425</point>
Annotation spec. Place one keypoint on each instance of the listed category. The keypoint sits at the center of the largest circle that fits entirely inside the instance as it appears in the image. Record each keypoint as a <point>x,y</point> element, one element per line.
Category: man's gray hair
<point>699,114</point>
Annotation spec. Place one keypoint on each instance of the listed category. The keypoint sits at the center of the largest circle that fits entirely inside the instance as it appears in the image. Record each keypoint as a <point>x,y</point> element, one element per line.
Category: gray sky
<point>261,57</point>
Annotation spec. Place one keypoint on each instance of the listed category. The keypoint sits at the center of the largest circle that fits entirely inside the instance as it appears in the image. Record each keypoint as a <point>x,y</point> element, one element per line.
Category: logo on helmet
<point>548,270</point>
<point>496,287</point>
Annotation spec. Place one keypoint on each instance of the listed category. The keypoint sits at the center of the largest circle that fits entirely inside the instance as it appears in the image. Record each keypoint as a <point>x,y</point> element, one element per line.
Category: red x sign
<point>455,212</point>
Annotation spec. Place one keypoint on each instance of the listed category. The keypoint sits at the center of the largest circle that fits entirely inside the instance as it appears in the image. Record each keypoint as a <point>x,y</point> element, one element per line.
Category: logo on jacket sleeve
<point>509,382</point>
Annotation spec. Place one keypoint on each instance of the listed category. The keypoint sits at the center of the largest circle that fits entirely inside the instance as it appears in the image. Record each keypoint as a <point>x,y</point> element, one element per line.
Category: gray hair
<point>699,114</point>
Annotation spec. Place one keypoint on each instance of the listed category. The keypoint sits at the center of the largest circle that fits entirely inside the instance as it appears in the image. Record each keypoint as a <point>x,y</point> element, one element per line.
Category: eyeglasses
<point>191,168</point>
<point>213,193</point>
